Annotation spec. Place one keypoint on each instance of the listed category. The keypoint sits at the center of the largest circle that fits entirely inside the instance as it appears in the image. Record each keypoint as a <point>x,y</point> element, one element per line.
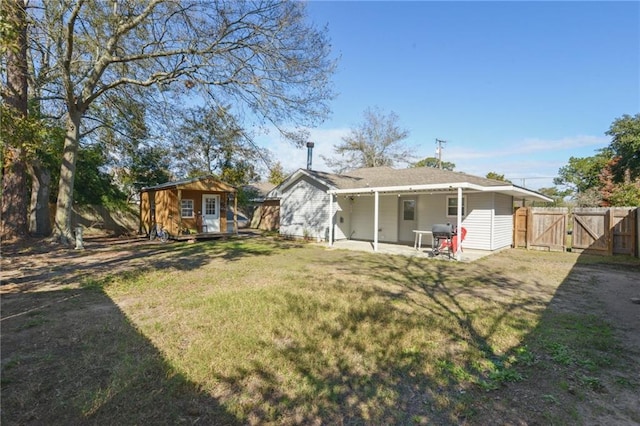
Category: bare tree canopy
<point>263,57</point>
<point>377,141</point>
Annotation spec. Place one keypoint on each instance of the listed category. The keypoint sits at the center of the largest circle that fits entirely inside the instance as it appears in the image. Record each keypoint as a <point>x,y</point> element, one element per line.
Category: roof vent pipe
<point>309,154</point>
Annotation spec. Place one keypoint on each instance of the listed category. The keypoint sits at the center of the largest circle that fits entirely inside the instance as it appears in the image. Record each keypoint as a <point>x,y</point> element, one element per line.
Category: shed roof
<point>208,181</point>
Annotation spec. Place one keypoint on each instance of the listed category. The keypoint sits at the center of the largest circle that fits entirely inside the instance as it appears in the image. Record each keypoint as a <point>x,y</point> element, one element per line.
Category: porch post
<point>375,221</point>
<point>459,225</point>
<point>235,212</point>
<point>330,220</point>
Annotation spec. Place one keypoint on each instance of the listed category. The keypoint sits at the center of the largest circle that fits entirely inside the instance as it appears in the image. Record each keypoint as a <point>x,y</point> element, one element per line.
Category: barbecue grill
<point>442,233</point>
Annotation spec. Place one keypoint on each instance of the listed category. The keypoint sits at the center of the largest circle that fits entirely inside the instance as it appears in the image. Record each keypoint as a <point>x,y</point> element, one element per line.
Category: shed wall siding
<point>303,210</point>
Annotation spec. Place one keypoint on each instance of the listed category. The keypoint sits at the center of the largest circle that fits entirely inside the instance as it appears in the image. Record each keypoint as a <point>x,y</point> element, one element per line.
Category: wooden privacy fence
<point>598,230</point>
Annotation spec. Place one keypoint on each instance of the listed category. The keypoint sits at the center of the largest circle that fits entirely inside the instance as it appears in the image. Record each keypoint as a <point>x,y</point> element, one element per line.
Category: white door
<point>210,213</point>
<point>408,219</point>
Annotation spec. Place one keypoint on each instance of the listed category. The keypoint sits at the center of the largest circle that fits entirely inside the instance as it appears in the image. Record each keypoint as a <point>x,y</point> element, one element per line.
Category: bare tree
<point>262,55</point>
<point>377,141</point>
<point>14,119</point>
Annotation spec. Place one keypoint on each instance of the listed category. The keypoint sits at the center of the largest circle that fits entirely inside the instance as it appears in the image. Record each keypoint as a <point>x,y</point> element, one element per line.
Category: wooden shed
<point>197,205</point>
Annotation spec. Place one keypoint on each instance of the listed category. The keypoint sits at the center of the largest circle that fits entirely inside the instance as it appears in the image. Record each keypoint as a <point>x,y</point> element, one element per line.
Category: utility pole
<point>439,142</point>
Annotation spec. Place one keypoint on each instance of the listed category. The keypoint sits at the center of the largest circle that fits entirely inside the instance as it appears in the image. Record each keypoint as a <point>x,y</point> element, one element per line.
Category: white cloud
<point>531,162</point>
<point>529,146</point>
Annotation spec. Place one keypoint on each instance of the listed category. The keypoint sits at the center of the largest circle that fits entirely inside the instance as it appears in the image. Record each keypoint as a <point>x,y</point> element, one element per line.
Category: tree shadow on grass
<point>72,357</point>
<point>405,341</point>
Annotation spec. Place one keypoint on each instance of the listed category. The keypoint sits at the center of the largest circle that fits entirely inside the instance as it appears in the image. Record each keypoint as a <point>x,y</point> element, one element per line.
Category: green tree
<point>612,176</point>
<point>264,56</point>
<point>497,176</point>
<point>277,174</point>
<point>377,141</point>
<point>147,165</point>
<point>95,185</point>
<point>434,163</point>
<point>583,173</point>
<point>556,194</point>
<point>625,147</point>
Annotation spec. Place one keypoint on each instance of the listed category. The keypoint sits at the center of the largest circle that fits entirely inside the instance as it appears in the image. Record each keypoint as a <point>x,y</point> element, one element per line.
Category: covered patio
<point>467,255</point>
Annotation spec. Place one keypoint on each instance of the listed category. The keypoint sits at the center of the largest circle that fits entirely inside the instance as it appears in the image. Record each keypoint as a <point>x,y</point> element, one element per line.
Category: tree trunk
<point>62,230</point>
<point>40,216</point>
<point>14,195</point>
<point>14,179</point>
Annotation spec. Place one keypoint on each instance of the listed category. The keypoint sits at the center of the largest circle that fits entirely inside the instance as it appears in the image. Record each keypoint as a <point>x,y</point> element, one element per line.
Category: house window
<point>409,209</point>
<point>186,208</point>
<point>452,206</point>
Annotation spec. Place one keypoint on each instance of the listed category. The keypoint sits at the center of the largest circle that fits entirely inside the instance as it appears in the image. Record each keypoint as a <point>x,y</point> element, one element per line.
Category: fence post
<point>529,231</point>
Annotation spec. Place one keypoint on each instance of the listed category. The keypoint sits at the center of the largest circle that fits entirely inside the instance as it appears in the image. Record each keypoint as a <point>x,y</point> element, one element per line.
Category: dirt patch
<point>604,393</point>
<point>39,265</point>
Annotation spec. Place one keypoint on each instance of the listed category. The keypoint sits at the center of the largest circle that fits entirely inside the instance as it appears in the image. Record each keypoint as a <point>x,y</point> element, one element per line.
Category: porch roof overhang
<point>511,190</point>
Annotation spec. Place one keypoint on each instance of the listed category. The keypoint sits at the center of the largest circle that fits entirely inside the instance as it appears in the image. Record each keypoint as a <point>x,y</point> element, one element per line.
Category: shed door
<point>408,219</point>
<point>210,213</point>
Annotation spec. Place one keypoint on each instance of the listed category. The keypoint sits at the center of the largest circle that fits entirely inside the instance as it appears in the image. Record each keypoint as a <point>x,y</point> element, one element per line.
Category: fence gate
<point>623,227</point>
<point>591,230</point>
<point>546,228</point>
<point>596,230</point>
<point>520,221</point>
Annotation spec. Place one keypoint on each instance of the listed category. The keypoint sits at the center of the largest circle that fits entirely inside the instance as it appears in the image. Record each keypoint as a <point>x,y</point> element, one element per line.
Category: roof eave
<point>508,189</point>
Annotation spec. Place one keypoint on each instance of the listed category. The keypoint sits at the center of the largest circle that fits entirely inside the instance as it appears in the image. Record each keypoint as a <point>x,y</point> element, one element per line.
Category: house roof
<point>387,179</point>
<point>187,182</point>
<point>260,189</point>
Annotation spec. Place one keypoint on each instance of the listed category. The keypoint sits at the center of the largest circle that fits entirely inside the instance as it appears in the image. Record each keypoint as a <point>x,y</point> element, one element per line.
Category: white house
<point>382,204</point>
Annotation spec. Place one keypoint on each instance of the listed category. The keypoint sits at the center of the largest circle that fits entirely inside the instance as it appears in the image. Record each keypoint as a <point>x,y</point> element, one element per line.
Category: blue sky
<point>514,87</point>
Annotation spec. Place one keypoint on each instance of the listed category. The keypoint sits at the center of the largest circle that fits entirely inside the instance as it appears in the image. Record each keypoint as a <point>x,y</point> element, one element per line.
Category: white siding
<point>362,218</point>
<point>503,222</point>
<point>304,210</point>
<point>388,218</point>
<point>305,204</point>
<point>479,220</point>
<point>342,218</point>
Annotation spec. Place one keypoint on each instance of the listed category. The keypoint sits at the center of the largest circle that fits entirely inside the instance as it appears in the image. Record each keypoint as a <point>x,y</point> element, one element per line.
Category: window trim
<point>182,208</point>
<point>464,205</point>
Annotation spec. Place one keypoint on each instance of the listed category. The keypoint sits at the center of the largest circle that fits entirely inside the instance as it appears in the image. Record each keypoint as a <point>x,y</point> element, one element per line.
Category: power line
<point>524,179</point>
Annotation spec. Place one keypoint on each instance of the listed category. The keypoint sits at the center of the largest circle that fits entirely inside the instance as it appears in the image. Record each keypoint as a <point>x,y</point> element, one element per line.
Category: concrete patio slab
<point>468,255</point>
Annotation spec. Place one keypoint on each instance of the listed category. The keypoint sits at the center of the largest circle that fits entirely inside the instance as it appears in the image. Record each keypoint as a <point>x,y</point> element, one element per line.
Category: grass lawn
<point>273,332</point>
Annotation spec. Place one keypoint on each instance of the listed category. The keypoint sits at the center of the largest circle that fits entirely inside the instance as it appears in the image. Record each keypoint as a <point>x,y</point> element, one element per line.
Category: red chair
<point>452,245</point>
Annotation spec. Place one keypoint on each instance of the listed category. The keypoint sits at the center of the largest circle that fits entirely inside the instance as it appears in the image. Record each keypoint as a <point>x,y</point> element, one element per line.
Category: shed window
<point>452,205</point>
<point>186,208</point>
